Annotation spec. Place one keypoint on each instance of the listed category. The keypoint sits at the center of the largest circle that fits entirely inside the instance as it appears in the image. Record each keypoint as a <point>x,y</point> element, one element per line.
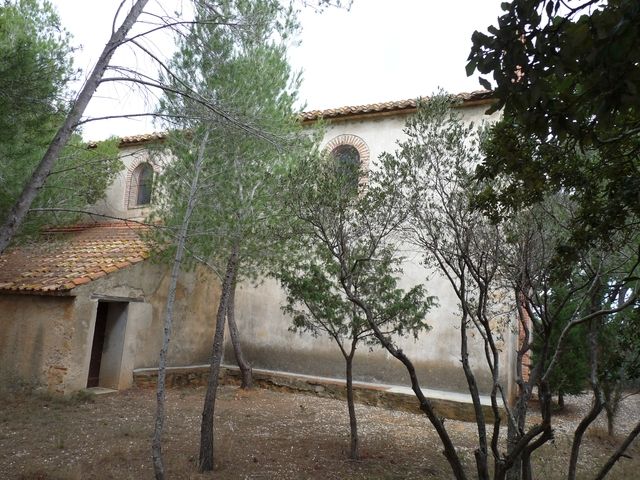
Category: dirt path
<point>259,434</point>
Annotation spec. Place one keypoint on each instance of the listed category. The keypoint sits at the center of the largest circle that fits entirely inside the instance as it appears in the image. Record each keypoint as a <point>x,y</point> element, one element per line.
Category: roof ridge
<point>329,113</point>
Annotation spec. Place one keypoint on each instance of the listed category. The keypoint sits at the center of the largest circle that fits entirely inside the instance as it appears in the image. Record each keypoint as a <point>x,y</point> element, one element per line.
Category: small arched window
<point>145,184</point>
<point>351,155</point>
<point>141,186</point>
<point>348,159</point>
<point>347,155</point>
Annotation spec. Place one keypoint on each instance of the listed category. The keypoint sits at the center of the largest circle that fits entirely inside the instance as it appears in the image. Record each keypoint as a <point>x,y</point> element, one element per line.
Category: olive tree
<point>505,276</point>
<point>345,245</point>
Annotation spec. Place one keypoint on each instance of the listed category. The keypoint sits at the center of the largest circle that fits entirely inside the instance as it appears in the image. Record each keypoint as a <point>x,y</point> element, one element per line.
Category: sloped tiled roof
<point>142,138</point>
<point>341,113</point>
<point>71,256</point>
<point>399,106</point>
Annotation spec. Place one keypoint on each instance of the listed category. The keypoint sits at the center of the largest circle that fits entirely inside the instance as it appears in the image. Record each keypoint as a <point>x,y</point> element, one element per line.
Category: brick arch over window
<point>138,184</point>
<point>356,142</point>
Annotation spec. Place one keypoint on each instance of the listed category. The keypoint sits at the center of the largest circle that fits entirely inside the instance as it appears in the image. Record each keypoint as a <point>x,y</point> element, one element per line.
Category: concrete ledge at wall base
<point>451,405</point>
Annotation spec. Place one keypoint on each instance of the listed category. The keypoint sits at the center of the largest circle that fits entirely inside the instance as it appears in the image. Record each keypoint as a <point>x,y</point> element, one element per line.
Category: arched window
<point>352,155</point>
<point>348,160</point>
<point>141,186</point>
<point>346,155</point>
<point>145,183</point>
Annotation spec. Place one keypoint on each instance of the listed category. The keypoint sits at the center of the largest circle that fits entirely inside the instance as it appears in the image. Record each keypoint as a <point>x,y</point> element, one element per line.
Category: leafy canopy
<point>252,136</point>
<point>35,67</point>
<point>566,74</point>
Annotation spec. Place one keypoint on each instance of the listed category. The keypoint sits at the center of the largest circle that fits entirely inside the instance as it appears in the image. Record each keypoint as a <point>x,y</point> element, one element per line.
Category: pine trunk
<point>205,463</point>
<point>156,444</point>
<point>245,367</point>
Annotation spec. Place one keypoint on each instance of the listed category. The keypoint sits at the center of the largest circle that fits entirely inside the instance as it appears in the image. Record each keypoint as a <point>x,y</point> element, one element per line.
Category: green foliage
<point>240,62</point>
<point>571,374</point>
<point>621,347</point>
<point>567,79</point>
<point>318,304</point>
<point>35,67</point>
<point>343,273</point>
<point>520,169</point>
<point>619,337</point>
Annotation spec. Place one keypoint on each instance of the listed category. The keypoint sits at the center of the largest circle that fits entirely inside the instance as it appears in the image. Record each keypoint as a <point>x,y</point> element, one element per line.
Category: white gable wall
<point>436,354</point>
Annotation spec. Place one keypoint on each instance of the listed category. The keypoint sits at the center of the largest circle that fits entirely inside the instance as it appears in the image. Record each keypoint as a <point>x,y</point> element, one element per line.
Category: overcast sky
<point>379,50</point>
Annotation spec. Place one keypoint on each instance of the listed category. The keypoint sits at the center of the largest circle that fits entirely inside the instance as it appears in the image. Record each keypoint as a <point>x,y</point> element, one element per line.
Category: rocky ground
<point>262,434</point>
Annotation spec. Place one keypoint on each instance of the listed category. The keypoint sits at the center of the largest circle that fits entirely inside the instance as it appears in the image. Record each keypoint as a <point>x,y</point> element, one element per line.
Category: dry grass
<point>259,435</point>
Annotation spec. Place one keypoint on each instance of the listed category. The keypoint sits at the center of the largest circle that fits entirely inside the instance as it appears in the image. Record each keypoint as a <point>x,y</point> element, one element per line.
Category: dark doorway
<point>98,344</point>
<point>108,343</point>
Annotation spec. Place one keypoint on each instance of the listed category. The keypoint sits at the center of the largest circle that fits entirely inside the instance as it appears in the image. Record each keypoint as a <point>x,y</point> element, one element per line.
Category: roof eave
<point>387,113</point>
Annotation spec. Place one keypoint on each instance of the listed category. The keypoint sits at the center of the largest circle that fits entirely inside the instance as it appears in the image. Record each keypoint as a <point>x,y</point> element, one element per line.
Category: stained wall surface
<point>35,341</point>
<point>46,341</point>
<point>265,329</point>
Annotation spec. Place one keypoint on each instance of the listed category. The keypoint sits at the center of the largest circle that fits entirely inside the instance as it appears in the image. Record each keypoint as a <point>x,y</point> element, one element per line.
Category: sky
<point>378,50</point>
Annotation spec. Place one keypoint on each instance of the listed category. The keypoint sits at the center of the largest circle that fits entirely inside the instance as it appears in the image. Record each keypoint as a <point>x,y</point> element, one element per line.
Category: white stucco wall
<point>436,354</point>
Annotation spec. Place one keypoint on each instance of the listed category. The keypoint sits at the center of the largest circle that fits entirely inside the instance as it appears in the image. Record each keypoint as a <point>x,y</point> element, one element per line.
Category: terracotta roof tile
<point>70,256</point>
<point>467,98</point>
<point>387,107</point>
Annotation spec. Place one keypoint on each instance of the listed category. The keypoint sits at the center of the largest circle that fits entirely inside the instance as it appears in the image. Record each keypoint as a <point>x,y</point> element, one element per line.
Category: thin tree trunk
<point>547,433</point>
<point>205,462</point>
<point>598,404</point>
<point>619,453</point>
<point>516,425</point>
<point>513,436</point>
<point>29,192</point>
<point>353,424</point>
<point>450,452</point>
<point>425,405</point>
<point>579,433</point>
<point>245,367</point>
<point>156,444</point>
<point>480,453</point>
<point>561,400</point>
<point>610,419</point>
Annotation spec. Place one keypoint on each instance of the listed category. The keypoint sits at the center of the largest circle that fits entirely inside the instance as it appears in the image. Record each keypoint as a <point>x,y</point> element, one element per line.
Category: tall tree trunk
<point>245,367</point>
<point>20,209</point>
<point>598,404</point>
<point>480,453</point>
<point>353,424</point>
<point>156,443</point>
<point>205,462</point>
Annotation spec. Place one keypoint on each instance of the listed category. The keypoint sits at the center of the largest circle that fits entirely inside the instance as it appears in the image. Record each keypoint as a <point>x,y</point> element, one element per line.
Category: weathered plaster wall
<point>436,354</point>
<point>146,285</point>
<point>116,198</point>
<point>35,341</point>
<point>47,340</point>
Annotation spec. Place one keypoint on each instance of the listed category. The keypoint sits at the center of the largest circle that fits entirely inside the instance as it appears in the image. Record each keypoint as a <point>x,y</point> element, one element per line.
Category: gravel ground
<point>263,434</point>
